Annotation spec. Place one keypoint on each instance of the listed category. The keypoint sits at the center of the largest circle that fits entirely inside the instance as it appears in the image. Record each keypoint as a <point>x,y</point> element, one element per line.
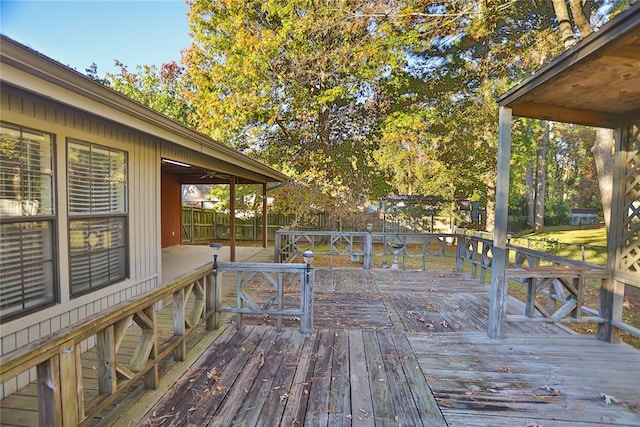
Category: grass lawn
<point>574,235</point>
<point>592,237</point>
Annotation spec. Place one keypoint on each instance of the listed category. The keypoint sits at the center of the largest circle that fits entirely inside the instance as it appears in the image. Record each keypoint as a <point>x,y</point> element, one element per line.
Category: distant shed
<point>583,216</point>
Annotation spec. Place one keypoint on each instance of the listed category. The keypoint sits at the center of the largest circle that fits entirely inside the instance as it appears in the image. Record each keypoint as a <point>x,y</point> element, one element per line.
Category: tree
<point>162,90</point>
<point>300,84</point>
<point>480,48</point>
<point>574,27</point>
<point>92,73</point>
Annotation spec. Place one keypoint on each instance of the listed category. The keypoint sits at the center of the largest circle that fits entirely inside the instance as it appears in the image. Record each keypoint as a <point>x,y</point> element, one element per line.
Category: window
<point>27,256</point>
<point>97,185</point>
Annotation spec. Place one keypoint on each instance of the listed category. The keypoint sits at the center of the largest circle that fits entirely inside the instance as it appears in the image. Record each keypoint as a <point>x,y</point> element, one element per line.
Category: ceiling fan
<point>208,174</point>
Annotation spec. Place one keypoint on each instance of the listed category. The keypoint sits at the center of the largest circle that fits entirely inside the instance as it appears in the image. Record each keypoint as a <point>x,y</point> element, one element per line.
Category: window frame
<point>51,219</point>
<point>76,290</point>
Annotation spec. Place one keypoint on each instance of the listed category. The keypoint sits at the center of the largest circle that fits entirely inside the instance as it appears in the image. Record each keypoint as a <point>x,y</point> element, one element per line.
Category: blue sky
<point>78,33</point>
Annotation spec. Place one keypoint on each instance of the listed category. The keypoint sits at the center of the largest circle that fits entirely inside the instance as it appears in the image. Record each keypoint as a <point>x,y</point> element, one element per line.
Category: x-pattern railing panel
<point>254,298</point>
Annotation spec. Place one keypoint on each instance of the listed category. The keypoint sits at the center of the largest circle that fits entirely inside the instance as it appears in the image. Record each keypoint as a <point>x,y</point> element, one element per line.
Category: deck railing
<point>279,280</point>
<point>57,359</point>
<point>370,248</point>
<point>555,286</point>
<point>197,300</point>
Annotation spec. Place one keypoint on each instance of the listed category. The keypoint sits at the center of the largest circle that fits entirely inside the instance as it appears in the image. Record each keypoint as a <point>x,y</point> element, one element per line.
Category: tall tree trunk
<point>564,22</point>
<point>603,145</point>
<point>580,11</point>
<point>603,152</point>
<point>529,196</point>
<point>541,177</point>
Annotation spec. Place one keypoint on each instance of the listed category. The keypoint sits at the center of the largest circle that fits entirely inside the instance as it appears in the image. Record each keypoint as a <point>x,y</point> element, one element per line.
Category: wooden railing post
<point>368,252</point>
<point>459,252</point>
<point>474,258</point>
<point>530,305</point>
<point>606,331</point>
<point>106,352</point>
<point>71,389</point>
<point>211,313</point>
<point>49,398</point>
<point>276,244</point>
<point>306,322</point>
<point>179,324</point>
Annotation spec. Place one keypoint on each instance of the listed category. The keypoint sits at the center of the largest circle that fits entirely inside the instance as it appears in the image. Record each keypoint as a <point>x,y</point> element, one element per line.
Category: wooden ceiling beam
<point>559,113</point>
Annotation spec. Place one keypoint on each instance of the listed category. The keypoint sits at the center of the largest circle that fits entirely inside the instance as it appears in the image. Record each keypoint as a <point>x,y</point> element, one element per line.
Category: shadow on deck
<point>396,348</point>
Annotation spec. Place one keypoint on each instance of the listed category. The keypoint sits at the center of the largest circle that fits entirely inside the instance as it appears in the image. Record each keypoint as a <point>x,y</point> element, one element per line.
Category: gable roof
<point>28,70</point>
<point>596,82</point>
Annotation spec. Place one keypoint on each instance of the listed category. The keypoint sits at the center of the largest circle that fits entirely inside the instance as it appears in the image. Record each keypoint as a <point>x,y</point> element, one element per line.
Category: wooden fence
<point>201,226</point>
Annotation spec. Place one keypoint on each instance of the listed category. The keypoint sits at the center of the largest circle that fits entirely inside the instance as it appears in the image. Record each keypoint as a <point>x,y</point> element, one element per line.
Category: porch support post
<point>265,223</point>
<point>232,219</point>
<point>612,293</point>
<point>498,302</point>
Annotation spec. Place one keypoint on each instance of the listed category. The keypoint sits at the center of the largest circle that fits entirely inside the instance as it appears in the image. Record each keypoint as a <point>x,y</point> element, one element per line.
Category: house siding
<point>27,110</point>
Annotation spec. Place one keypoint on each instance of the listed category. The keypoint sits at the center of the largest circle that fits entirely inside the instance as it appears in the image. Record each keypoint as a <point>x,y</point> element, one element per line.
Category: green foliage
<point>357,99</point>
<point>162,90</point>
<point>248,197</point>
<point>299,84</point>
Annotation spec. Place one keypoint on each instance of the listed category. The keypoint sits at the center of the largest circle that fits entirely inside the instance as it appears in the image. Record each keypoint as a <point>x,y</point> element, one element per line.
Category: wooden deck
<point>394,348</point>
<point>389,348</point>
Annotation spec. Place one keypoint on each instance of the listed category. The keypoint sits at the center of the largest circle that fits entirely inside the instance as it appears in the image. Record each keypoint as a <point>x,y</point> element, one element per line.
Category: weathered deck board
<point>530,380</point>
<point>315,392</point>
<point>405,335</point>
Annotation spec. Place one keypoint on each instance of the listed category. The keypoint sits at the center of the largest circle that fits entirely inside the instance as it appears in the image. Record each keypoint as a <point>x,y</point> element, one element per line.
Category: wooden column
<point>49,397</point>
<point>612,294</point>
<point>232,219</point>
<point>265,223</point>
<point>179,329</point>
<point>71,388</point>
<point>498,302</point>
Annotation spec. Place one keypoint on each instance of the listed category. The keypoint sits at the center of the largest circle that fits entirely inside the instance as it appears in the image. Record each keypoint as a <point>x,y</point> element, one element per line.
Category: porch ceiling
<point>200,175</point>
<point>595,83</point>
